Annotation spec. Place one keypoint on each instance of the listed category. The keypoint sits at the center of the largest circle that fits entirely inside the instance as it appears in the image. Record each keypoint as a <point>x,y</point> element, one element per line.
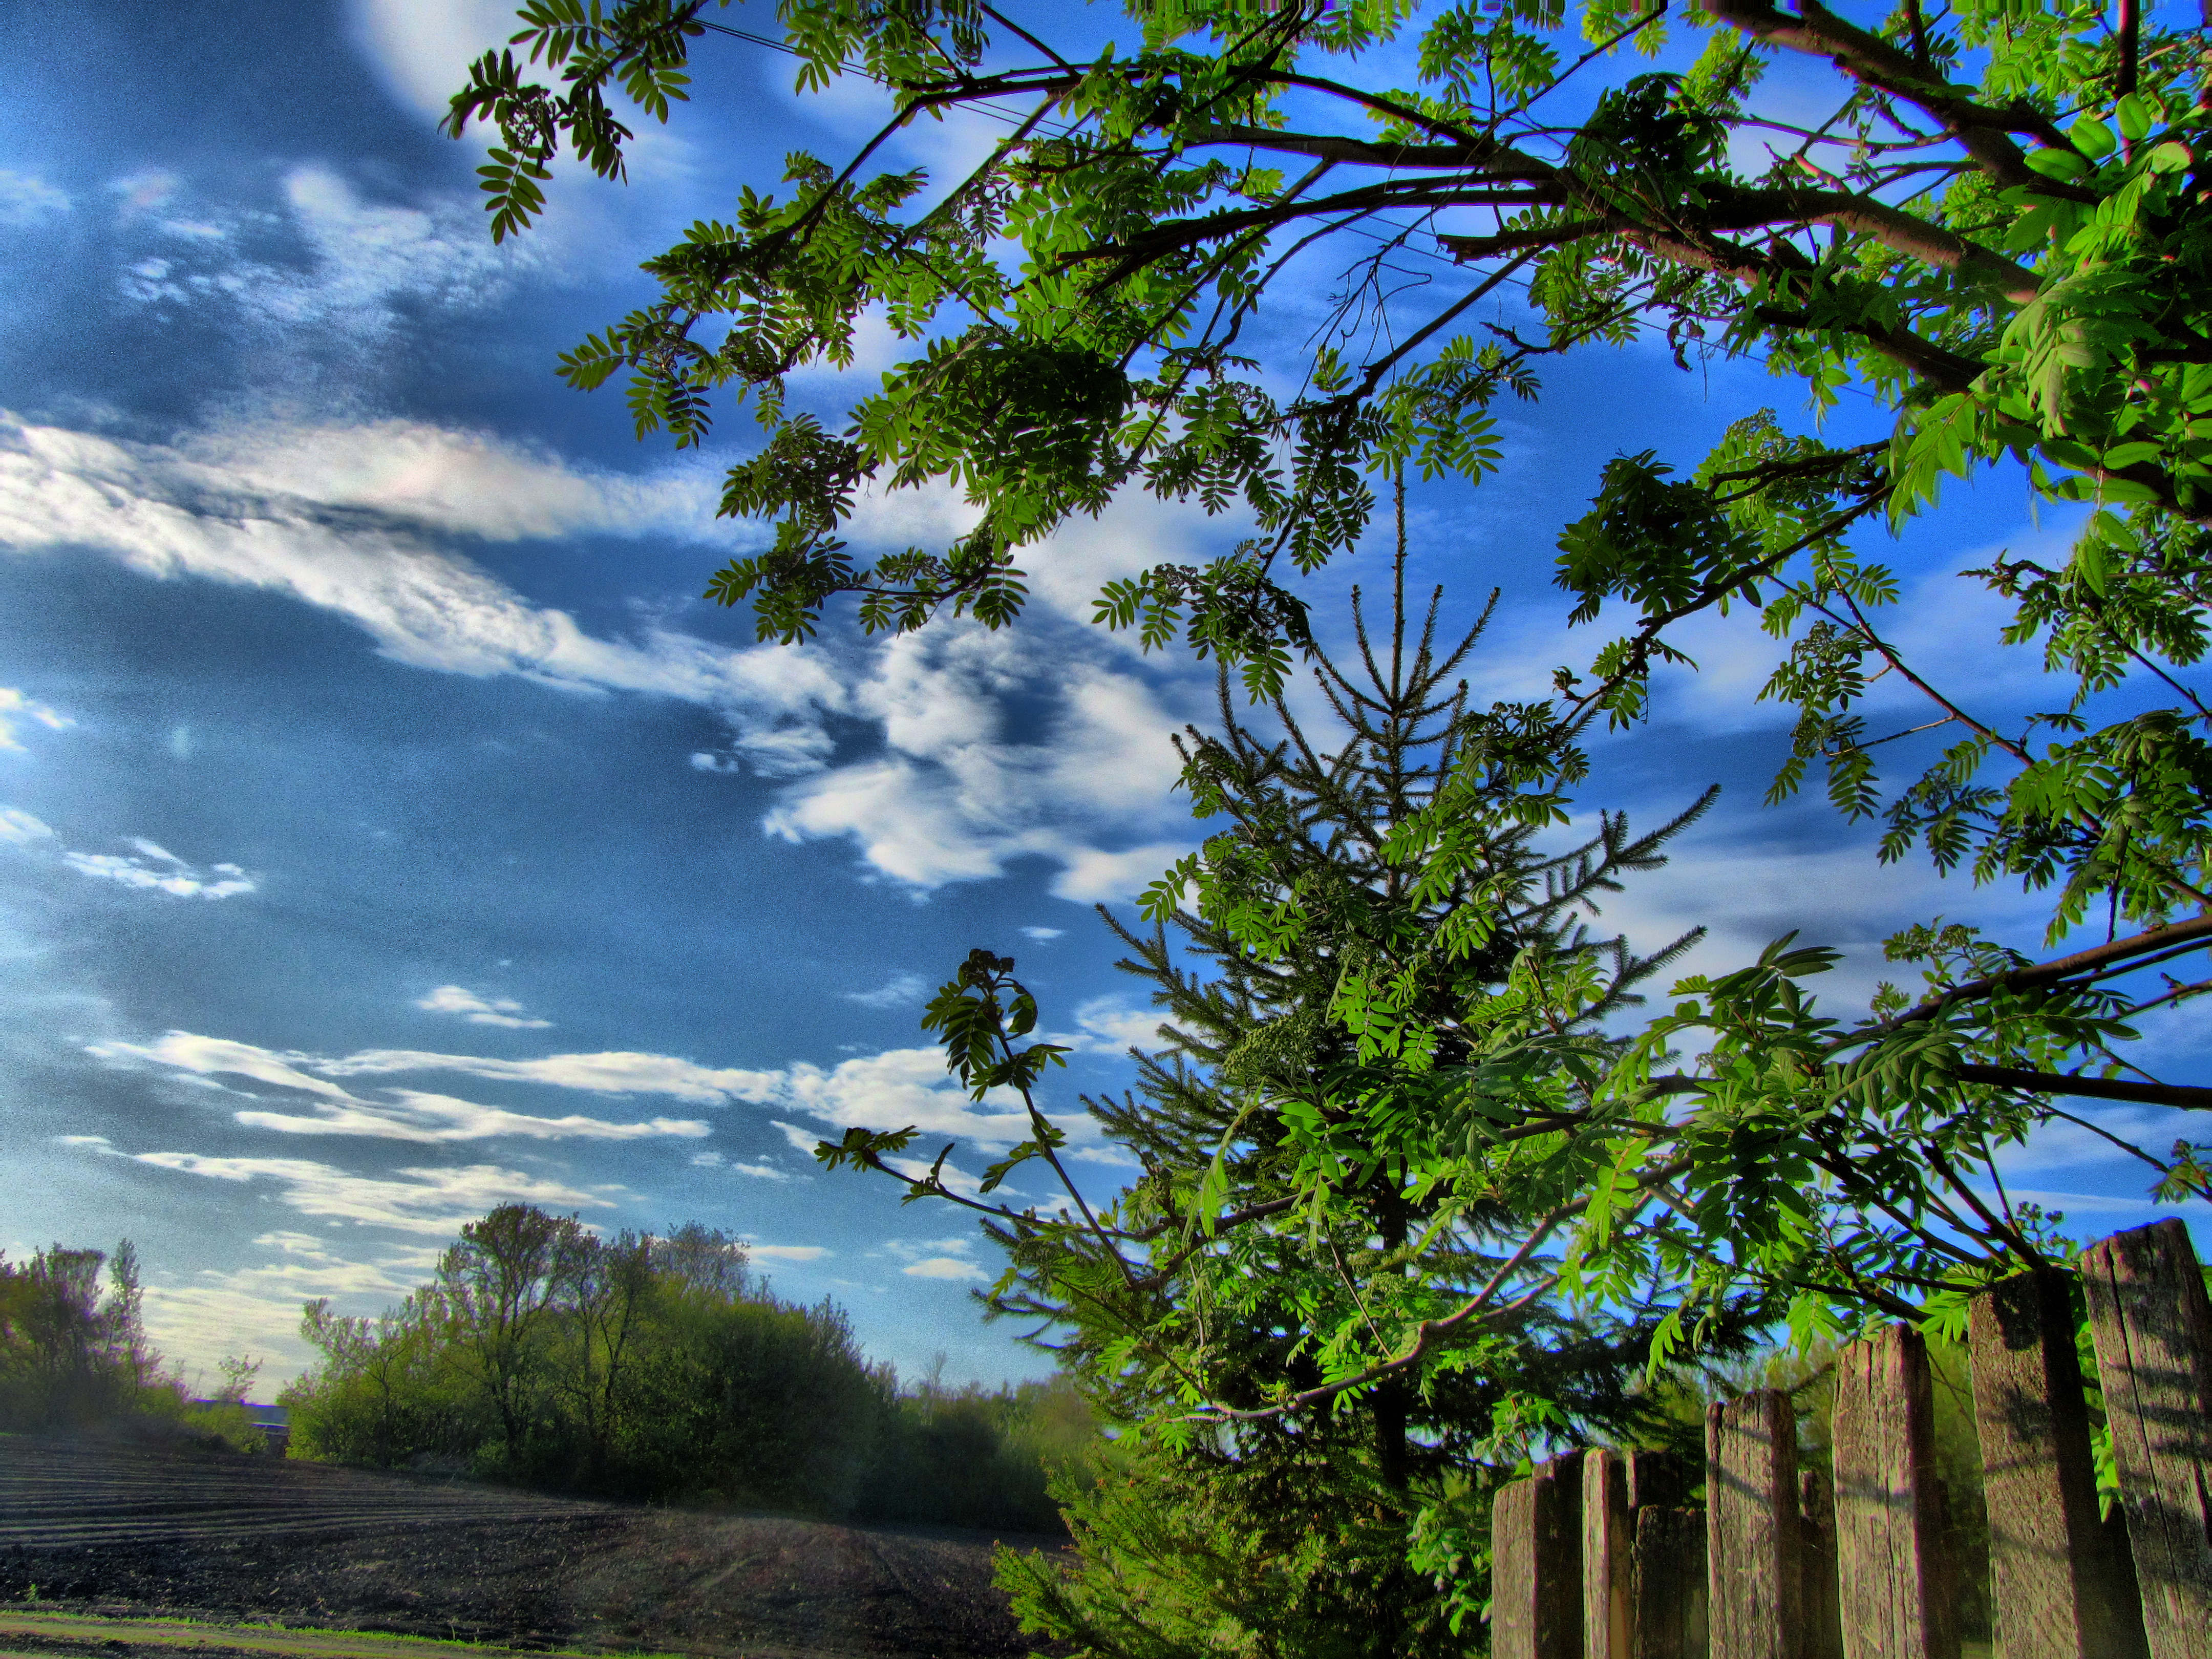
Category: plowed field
<point>111,1528</point>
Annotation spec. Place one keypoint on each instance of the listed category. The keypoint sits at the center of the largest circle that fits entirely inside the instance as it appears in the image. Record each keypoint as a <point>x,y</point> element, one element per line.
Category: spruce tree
<point>1233,1514</point>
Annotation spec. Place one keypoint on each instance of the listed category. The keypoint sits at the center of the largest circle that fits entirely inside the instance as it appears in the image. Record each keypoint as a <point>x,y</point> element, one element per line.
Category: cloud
<point>19,828</point>
<point>954,798</point>
<point>801,1140</point>
<point>786,1252</point>
<point>403,1115</point>
<point>895,1089</point>
<point>360,267</point>
<point>942,1267</point>
<point>610,1074</point>
<point>155,869</point>
<point>422,49</point>
<point>1041,934</point>
<point>479,1010</point>
<point>418,1200</point>
<point>352,519</point>
<point>936,1258</point>
<point>763,1170</point>
<point>896,993</point>
<point>1109,1025</point>
<point>256,507</point>
<point>27,199</point>
<point>15,708</point>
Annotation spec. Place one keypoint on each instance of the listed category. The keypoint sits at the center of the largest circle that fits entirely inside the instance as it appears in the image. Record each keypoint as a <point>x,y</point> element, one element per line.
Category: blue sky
<point>389,829</point>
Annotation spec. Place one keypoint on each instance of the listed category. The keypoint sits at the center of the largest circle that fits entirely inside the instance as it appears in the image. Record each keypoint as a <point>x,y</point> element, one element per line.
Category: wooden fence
<point>1598,1555</point>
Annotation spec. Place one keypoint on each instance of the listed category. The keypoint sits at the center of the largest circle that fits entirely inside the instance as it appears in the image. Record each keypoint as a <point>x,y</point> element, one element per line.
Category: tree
<point>499,1286</point>
<point>1235,1283</point>
<point>70,1356</point>
<point>1996,228</point>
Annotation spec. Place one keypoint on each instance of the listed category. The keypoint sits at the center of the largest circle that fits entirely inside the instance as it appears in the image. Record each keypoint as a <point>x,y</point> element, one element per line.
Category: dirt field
<point>109,1529</point>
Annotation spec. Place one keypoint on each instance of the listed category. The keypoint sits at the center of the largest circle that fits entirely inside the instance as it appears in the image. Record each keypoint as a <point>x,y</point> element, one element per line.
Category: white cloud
<point>1041,934</point>
<point>954,799</point>
<point>785,1252</point>
<point>942,1267</point>
<point>1109,1025</point>
<point>251,507</point>
<point>27,199</point>
<point>15,708</point>
<point>155,869</point>
<point>763,1170</point>
<point>366,261</point>
<point>422,49</point>
<point>801,1140</point>
<point>613,1073</point>
<point>936,1258</point>
<point>895,993</point>
<point>403,1115</point>
<point>19,828</point>
<point>480,1011</point>
<point>351,518</point>
<point>418,1200</point>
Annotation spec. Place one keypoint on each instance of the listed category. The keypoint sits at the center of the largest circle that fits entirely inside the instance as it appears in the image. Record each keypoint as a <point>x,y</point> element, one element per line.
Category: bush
<point>659,1368</point>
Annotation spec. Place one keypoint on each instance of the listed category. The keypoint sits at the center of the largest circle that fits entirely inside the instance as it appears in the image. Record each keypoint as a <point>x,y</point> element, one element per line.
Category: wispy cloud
<point>26,199</point>
<point>405,1115</point>
<point>418,1201</point>
<point>936,1258</point>
<point>895,993</point>
<point>15,708</point>
<point>153,868</point>
<point>480,1011</point>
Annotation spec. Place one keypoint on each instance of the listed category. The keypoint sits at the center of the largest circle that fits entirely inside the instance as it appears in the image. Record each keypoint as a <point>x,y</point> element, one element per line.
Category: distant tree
<point>658,1366</point>
<point>72,1356</point>
<point>498,1286</point>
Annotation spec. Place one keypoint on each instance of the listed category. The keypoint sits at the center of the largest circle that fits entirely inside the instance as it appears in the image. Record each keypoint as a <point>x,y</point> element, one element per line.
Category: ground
<point>89,1528</point>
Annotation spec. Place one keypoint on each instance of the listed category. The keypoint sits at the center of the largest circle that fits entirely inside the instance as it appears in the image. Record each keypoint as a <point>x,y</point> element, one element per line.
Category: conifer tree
<point>1215,1292</point>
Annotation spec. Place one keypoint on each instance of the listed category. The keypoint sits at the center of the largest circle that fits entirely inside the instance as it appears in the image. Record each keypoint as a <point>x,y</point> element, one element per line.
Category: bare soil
<point>128,1530</point>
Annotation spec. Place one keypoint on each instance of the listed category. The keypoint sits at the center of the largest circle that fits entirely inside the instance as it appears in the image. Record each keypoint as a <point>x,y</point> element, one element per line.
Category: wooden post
<point>2153,1333</point>
<point>1753,1577</point>
<point>1608,1557</point>
<point>1670,1585</point>
<point>1896,1598</point>
<point>1536,1599</point>
<point>1820,1605</point>
<point>2059,1589</point>
<point>1616,1487</point>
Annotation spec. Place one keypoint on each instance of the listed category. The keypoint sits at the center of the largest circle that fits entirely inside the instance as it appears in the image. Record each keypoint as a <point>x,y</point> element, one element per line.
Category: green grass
<point>28,1619</point>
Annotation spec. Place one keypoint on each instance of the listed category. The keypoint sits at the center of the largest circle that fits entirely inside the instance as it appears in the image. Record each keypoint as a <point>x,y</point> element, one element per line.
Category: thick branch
<point>2087,1088</point>
<point>1982,132</point>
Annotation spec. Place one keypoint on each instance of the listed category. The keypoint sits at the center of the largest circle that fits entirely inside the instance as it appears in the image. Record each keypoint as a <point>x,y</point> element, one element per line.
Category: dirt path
<point>102,1528</point>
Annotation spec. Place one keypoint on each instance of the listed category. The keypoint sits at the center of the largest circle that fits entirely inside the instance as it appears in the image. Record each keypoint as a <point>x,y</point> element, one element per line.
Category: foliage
<point>658,1366</point>
<point>1270,1237</point>
<point>71,1356</point>
<point>74,1357</point>
<point>1990,220</point>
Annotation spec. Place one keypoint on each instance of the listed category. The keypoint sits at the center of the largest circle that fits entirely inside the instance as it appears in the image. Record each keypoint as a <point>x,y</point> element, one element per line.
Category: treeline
<point>74,1355</point>
<point>660,1367</point>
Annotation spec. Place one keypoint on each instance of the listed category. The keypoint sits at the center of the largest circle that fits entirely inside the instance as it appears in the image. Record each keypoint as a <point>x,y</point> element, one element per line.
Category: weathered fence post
<point>1897,1599</point>
<point>1617,1487</point>
<point>1819,1603</point>
<point>1536,1542</point>
<point>1754,1576</point>
<point>1670,1585</point>
<point>2153,1329</point>
<point>1608,1557</point>
<point>2059,1589</point>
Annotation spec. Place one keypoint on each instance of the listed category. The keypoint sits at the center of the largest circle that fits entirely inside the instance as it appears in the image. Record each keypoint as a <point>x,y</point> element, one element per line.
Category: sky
<point>388,829</point>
